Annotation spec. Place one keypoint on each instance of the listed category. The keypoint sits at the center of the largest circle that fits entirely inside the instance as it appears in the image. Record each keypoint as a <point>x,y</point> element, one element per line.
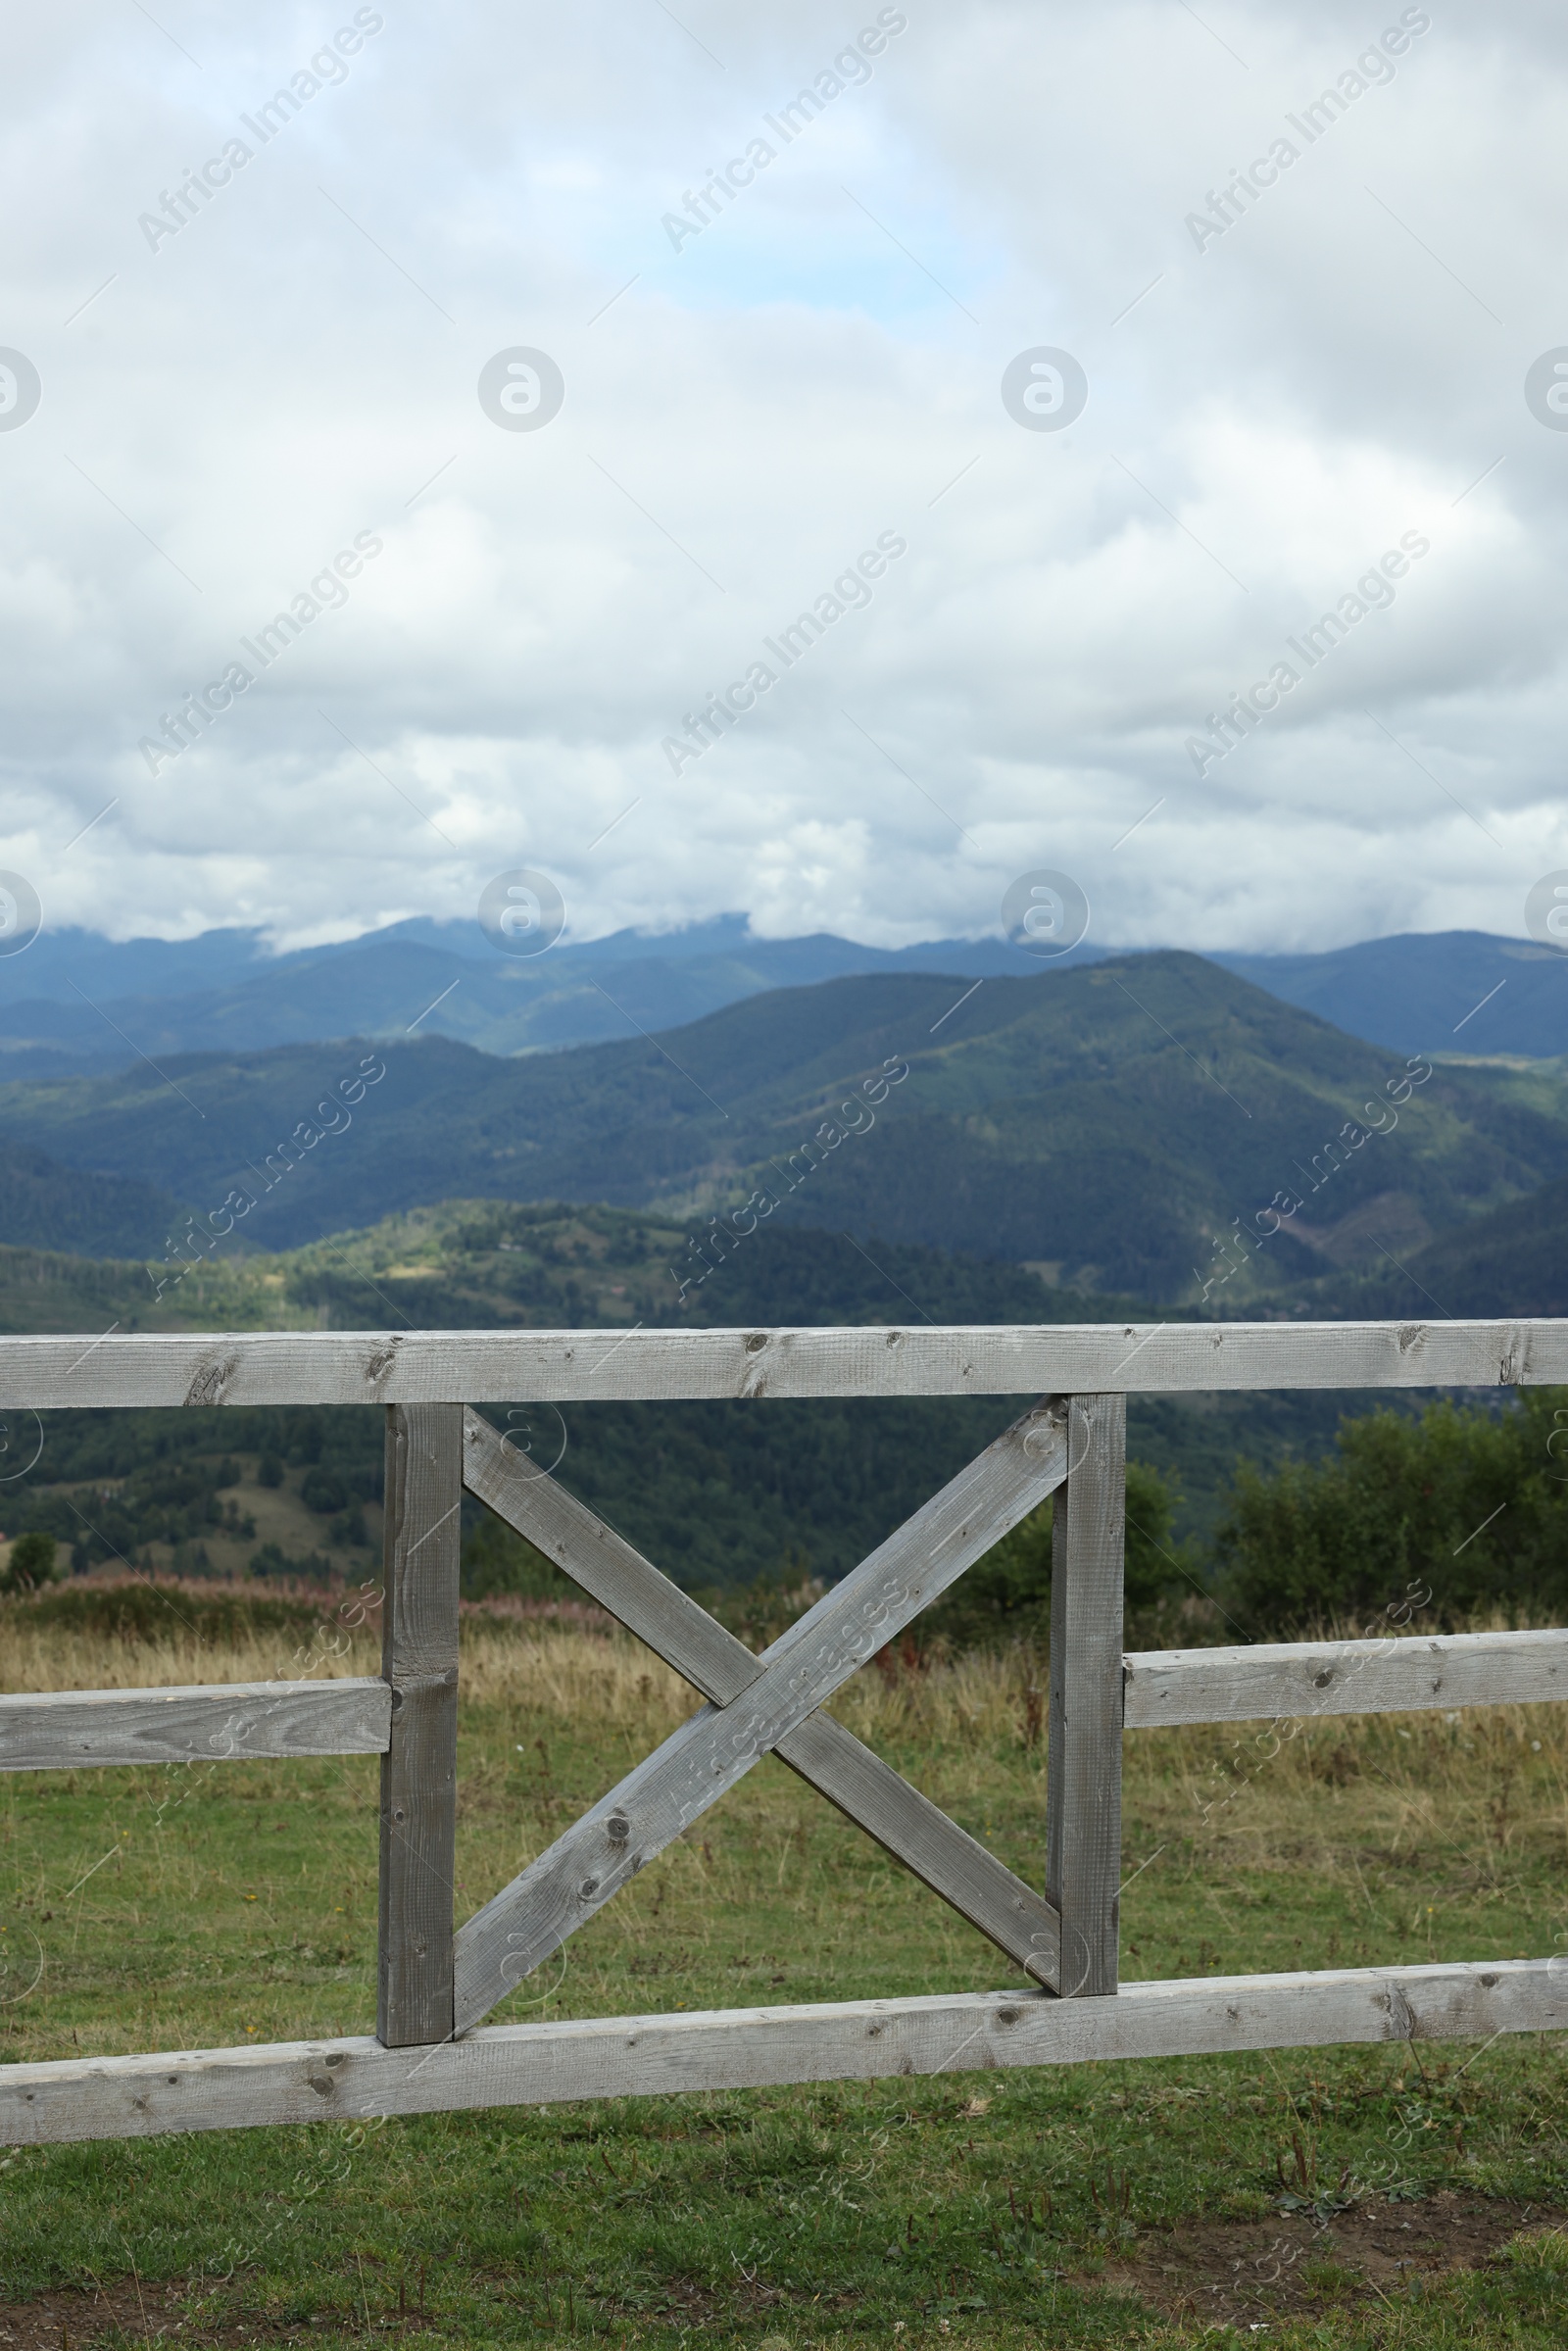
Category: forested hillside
<point>1118,1126</point>
<point>718,1492</point>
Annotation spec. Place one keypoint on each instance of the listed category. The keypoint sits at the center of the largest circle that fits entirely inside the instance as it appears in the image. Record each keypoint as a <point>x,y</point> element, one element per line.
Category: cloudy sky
<point>761,386</point>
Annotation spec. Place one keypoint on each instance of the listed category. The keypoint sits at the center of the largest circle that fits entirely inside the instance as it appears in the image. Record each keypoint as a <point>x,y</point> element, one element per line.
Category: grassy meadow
<point>1397,2195</point>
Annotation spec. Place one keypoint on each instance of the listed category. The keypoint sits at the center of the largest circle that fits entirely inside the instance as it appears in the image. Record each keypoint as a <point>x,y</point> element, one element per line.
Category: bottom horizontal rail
<point>750,2048</point>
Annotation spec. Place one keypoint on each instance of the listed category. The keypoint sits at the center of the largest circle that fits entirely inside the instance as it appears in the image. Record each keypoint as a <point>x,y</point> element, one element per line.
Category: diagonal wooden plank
<point>830,1758</point>
<point>919,1834</point>
<point>551,1899</point>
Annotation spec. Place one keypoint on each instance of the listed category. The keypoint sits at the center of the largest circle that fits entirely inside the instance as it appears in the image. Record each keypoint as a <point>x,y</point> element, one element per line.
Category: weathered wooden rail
<point>430,2049</point>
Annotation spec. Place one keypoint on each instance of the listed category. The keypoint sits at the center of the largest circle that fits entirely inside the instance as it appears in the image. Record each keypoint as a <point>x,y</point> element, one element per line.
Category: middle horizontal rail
<point>194,1723</point>
<point>1343,1677</point>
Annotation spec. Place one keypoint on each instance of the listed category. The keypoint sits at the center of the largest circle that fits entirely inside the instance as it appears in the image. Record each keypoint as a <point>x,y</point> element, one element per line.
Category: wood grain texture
<point>198,1722</point>
<point>738,2048</point>
<point>831,1759</point>
<point>1344,1676</point>
<point>700,1762</point>
<point>1082,1785</point>
<point>376,1367</point>
<point>419,1769</point>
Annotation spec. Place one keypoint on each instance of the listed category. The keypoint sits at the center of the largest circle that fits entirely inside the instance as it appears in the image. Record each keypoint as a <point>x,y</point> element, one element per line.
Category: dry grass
<point>43,1657</point>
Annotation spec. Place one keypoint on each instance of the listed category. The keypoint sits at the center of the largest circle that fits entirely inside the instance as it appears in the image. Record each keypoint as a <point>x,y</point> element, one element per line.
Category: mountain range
<point>76,1002</point>
<point>1151,1124</point>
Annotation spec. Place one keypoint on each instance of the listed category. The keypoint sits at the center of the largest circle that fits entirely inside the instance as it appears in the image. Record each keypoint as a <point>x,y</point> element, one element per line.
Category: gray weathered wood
<point>700,1762</point>
<point>740,2049</point>
<point>419,1770</point>
<point>1083,1785</point>
<point>349,1367</point>
<point>196,1721</point>
<point>1344,1676</point>
<point>914,1830</point>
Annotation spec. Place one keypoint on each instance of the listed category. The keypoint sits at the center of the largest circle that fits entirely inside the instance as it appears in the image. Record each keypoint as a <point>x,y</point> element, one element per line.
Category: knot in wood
<point>619,1829</point>
<point>209,1383</point>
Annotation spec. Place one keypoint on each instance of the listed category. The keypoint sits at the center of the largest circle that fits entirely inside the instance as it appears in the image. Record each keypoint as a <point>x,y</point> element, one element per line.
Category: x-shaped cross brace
<point>760,1705</point>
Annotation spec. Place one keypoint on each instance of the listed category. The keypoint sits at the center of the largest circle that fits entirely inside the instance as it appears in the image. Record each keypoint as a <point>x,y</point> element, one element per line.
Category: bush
<point>268,1470</point>
<point>1467,1505</point>
<point>31,1562</point>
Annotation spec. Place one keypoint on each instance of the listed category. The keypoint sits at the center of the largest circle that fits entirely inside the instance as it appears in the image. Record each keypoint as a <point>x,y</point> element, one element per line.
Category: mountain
<point>78,1001</point>
<point>1436,991</point>
<point>45,1206</point>
<point>1109,1125</point>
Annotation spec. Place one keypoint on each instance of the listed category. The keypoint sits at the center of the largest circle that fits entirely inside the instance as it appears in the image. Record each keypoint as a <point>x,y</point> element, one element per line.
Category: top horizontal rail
<point>407,1367</point>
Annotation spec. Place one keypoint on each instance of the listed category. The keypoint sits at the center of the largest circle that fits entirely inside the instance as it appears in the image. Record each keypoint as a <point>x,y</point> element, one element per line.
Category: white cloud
<point>298,364</point>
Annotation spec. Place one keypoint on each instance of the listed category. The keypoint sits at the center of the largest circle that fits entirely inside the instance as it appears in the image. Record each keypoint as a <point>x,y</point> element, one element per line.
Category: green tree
<point>1466,1506</point>
<point>32,1563</point>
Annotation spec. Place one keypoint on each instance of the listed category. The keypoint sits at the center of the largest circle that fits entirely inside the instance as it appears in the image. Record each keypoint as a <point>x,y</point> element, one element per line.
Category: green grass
<point>188,1908</point>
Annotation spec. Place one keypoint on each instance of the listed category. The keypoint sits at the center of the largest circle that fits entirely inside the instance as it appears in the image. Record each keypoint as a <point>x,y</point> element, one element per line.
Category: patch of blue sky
<point>898,265</point>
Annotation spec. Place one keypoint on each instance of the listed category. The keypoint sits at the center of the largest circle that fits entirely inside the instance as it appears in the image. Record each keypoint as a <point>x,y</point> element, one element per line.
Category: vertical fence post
<point>1083,1849</point>
<point>419,1770</point>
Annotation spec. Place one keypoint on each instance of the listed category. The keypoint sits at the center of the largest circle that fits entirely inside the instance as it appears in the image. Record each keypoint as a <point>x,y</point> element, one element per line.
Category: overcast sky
<point>501,675</point>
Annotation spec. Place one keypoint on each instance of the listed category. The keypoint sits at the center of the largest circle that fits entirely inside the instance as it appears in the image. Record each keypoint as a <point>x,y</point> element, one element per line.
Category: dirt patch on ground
<point>182,2311</point>
<point>1304,2265</point>
<point>144,2312</point>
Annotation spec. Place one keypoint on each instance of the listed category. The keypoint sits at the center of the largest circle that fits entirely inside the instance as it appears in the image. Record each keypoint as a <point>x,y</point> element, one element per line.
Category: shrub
<point>31,1562</point>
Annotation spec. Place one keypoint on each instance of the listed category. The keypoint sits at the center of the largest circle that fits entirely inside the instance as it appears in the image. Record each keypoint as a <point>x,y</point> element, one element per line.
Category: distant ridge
<point>72,1000</point>
<point>1431,991</point>
<point>418,977</point>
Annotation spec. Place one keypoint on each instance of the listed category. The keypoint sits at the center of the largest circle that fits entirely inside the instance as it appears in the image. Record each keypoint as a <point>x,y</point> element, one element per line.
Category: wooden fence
<point>430,2050</point>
